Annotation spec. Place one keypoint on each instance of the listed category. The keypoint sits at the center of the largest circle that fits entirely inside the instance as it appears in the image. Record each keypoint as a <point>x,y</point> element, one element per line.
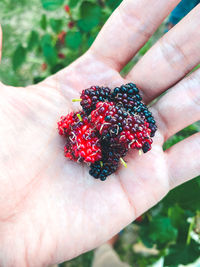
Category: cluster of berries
<point>110,123</point>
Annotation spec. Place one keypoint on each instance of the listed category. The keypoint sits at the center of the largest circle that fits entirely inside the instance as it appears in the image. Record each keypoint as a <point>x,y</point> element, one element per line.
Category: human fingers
<point>129,27</point>
<point>183,160</point>
<point>179,107</point>
<point>170,59</point>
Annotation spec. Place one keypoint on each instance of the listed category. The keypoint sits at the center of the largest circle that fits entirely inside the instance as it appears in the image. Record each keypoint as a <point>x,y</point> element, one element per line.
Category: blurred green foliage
<point>43,36</point>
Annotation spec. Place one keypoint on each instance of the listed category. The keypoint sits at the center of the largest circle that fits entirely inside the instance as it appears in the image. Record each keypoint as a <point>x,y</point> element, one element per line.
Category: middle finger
<point>170,59</point>
<point>179,107</point>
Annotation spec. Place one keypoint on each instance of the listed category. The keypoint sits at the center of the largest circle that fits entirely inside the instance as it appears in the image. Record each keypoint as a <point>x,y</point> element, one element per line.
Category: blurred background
<point>41,37</point>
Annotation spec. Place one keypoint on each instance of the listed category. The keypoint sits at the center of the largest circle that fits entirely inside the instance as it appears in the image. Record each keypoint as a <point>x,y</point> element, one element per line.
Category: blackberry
<point>112,144</point>
<point>90,97</point>
<point>111,154</point>
<point>82,141</point>
<point>126,96</point>
<point>102,169</point>
<point>105,167</point>
<point>119,127</point>
<point>135,133</point>
<point>65,122</point>
<point>130,89</point>
<point>108,119</point>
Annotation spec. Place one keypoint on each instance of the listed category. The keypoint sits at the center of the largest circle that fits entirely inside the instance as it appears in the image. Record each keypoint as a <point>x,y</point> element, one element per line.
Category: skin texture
<point>51,209</point>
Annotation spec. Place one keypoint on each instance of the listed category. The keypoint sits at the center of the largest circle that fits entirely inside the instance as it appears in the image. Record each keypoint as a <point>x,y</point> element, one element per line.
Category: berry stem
<point>76,100</point>
<point>101,164</point>
<point>123,162</point>
<point>80,118</point>
<point>140,152</point>
<point>191,226</point>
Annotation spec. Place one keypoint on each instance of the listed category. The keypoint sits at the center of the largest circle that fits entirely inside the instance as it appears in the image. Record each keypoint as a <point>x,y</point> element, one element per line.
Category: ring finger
<point>179,107</point>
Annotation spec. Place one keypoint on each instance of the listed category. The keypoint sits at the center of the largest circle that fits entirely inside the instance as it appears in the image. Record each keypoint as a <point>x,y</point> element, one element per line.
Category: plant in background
<point>65,30</point>
<point>58,32</point>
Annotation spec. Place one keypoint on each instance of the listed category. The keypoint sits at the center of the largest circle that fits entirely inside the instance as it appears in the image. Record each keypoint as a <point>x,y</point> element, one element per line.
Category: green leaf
<point>90,40</point>
<point>182,254</point>
<point>52,4</point>
<point>187,196</point>
<point>38,79</point>
<point>172,141</point>
<point>186,132</point>
<point>46,39</point>
<point>90,16</point>
<point>196,68</point>
<point>33,40</point>
<point>198,180</point>
<point>43,22</point>
<point>73,3</point>
<point>191,129</point>
<point>49,50</point>
<point>18,57</point>
<point>56,68</point>
<point>146,47</point>
<point>159,231</point>
<point>56,25</point>
<point>176,215</point>
<point>73,39</point>
<point>113,3</point>
<point>179,217</point>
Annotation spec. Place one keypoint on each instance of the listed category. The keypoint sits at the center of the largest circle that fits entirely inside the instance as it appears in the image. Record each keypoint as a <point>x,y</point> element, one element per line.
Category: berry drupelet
<point>146,147</point>
<point>90,97</point>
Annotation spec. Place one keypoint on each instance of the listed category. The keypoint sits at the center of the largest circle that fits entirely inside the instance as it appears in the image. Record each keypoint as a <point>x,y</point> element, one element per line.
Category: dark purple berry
<point>90,97</point>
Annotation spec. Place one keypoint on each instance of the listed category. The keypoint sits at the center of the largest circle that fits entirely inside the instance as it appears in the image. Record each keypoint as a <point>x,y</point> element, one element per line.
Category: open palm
<point>51,209</point>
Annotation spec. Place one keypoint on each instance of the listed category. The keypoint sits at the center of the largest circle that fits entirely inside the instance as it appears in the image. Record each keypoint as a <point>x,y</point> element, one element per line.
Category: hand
<point>51,209</point>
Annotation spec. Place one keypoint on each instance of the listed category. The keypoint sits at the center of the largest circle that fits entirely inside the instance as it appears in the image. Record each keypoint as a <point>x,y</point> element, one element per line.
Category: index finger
<point>128,29</point>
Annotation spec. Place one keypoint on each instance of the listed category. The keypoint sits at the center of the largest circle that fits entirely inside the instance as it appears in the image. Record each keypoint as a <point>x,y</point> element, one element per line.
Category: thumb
<point>0,42</point>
